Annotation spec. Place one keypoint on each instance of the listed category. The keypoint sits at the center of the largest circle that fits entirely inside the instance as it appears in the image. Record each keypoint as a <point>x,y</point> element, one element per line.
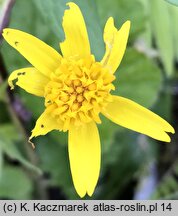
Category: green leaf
<point>121,11</point>
<point>61,137</point>
<point>34,104</point>
<point>3,109</point>
<point>14,184</point>
<point>173,11</point>
<point>167,188</point>
<point>162,32</point>
<point>8,145</point>
<point>125,158</point>
<point>1,11</point>
<point>13,60</point>
<point>54,160</point>
<point>174,2</point>
<point>53,11</point>
<point>138,78</point>
<point>107,136</point>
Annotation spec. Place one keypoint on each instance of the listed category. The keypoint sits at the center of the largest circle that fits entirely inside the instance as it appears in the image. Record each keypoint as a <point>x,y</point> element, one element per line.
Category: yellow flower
<point>77,88</point>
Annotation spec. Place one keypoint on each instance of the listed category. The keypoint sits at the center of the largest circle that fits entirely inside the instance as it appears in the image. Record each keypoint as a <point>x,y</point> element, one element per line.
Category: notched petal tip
<point>163,136</point>
<point>90,192</point>
<point>87,192</point>
<point>82,194</point>
<point>85,156</point>
<point>167,127</point>
<point>128,23</point>
<point>71,4</point>
<point>171,129</point>
<point>76,43</point>
<point>168,140</point>
<point>126,26</point>
<point>110,20</point>
<point>115,41</point>
<point>135,117</point>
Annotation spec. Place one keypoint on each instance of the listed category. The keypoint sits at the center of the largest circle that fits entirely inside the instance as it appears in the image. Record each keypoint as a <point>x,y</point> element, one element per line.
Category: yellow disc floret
<point>78,90</point>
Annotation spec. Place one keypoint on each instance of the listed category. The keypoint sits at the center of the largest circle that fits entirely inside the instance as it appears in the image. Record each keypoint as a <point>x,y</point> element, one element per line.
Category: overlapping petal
<point>30,79</point>
<point>85,156</point>
<point>76,44</point>
<point>38,53</point>
<point>115,42</point>
<point>131,115</point>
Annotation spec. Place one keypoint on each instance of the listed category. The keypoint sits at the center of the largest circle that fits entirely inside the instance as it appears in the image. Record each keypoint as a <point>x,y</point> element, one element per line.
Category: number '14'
<point>166,206</point>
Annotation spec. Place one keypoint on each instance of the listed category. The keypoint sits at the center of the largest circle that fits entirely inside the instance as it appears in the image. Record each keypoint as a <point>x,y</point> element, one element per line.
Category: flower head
<point>77,88</point>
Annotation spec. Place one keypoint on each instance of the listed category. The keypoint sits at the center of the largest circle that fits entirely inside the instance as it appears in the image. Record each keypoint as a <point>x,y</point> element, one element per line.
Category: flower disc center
<point>78,90</point>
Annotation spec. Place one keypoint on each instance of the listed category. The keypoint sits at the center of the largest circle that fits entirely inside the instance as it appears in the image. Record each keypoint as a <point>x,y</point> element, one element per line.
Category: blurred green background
<point>133,165</point>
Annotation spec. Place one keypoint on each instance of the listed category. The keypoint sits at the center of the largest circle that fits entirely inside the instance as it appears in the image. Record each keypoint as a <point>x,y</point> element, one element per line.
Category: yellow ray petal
<point>45,124</point>
<point>85,156</point>
<point>115,42</point>
<point>76,42</point>
<point>39,54</point>
<point>131,115</point>
<point>30,79</point>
